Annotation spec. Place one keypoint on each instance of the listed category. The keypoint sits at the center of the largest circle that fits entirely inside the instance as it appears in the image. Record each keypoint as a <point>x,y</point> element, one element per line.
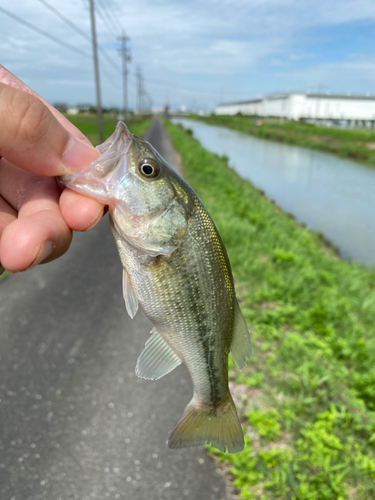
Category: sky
<point>193,53</point>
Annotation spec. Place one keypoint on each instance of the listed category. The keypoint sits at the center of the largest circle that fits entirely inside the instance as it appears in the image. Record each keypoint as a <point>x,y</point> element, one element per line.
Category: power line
<point>176,86</point>
<point>78,30</point>
<point>109,78</point>
<point>104,19</point>
<point>66,20</point>
<point>110,60</point>
<point>44,33</point>
<point>114,18</point>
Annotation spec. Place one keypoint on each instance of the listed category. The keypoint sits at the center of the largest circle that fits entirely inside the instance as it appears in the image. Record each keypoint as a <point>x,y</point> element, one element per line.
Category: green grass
<point>307,400</point>
<point>358,144</point>
<point>88,125</point>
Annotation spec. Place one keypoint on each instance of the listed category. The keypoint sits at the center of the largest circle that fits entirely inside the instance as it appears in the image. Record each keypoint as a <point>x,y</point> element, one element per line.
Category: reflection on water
<point>329,194</point>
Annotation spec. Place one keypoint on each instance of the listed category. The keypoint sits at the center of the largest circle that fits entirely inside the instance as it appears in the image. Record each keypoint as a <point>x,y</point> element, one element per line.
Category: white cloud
<point>188,44</point>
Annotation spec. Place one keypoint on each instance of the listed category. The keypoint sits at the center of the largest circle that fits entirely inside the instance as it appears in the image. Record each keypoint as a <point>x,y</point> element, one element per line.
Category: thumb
<point>32,138</point>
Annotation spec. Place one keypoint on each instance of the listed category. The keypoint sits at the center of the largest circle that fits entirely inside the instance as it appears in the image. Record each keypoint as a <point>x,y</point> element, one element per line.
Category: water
<point>329,194</point>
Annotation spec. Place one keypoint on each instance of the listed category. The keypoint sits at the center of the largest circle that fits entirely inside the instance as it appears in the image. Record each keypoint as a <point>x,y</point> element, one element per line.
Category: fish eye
<point>149,168</point>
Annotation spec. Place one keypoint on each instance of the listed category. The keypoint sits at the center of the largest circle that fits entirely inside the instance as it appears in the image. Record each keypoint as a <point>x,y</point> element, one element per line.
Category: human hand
<point>38,143</point>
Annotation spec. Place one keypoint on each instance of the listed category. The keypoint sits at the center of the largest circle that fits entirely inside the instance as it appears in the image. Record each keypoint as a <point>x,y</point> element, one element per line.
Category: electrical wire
<point>78,30</point>
<point>57,40</point>
<point>115,21</point>
<point>44,33</point>
<point>110,60</point>
<point>109,78</point>
<point>105,21</point>
<point>176,86</point>
<point>66,20</point>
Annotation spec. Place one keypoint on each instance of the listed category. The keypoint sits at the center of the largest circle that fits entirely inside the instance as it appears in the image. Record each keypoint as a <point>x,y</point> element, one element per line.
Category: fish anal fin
<point>241,344</point>
<point>157,358</point>
<point>131,301</point>
<point>202,424</point>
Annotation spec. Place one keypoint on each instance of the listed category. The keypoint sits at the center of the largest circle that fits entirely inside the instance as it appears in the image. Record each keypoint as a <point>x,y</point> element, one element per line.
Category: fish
<point>176,268</point>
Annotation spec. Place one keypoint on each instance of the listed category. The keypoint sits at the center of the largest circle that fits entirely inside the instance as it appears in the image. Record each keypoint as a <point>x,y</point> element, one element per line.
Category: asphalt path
<point>75,421</point>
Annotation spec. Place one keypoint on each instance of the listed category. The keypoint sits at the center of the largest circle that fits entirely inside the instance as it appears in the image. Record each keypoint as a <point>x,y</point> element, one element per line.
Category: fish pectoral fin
<point>241,344</point>
<point>131,301</point>
<point>157,358</point>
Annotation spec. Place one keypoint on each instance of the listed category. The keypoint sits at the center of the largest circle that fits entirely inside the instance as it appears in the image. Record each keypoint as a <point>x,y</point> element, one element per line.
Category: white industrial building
<point>305,106</point>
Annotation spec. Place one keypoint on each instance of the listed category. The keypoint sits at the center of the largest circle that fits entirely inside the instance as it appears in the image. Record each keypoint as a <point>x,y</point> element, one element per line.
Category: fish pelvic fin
<point>131,301</point>
<point>241,344</point>
<point>203,424</point>
<point>157,358</point>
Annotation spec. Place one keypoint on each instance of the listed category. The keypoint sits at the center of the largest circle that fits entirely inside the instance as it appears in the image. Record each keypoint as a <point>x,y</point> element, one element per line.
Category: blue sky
<point>197,53</point>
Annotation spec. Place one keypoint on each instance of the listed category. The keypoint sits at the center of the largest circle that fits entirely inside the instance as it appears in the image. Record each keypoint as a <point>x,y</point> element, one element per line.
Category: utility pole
<point>125,54</point>
<point>96,69</point>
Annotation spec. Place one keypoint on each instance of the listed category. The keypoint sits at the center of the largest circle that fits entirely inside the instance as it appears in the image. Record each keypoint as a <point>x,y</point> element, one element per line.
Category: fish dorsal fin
<point>241,344</point>
<point>130,298</point>
<point>157,358</point>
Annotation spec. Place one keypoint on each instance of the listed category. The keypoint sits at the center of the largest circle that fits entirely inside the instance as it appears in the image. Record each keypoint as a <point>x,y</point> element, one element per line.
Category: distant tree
<point>60,106</point>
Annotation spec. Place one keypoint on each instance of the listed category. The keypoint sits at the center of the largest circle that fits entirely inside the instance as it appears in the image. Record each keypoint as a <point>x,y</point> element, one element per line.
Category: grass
<point>307,400</point>
<point>358,144</point>
<point>88,125</point>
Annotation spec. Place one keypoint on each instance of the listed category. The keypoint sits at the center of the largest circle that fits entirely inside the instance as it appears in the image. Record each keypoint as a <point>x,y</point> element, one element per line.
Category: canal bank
<point>307,398</point>
<point>331,195</point>
<point>355,143</point>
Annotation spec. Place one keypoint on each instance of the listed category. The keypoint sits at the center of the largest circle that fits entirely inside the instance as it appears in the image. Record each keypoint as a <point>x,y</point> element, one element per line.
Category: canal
<point>329,194</point>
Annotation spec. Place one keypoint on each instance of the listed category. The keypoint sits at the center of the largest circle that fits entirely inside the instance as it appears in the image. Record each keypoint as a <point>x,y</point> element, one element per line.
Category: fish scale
<point>176,267</point>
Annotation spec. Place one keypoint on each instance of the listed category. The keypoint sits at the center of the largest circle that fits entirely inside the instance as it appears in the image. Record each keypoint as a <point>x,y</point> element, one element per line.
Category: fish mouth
<point>112,152</point>
<point>118,142</point>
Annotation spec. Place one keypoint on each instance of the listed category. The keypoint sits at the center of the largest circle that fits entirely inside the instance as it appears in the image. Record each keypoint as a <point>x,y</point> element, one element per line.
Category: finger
<point>34,239</point>
<point>34,140</point>
<point>40,234</point>
<point>7,214</point>
<point>8,78</point>
<point>80,212</point>
<point>27,192</point>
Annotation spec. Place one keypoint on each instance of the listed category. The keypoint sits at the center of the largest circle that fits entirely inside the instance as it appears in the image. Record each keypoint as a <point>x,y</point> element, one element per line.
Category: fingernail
<point>45,251</point>
<point>78,154</point>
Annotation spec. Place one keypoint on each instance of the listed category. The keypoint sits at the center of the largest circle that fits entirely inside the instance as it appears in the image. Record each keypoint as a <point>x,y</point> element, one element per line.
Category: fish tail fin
<point>203,424</point>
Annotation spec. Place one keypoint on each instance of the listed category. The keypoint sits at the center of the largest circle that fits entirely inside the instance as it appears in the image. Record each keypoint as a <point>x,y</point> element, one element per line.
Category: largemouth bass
<point>177,269</point>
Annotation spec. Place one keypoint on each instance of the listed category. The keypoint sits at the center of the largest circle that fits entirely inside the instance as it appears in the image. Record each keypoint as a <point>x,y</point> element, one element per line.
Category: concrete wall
<point>310,106</point>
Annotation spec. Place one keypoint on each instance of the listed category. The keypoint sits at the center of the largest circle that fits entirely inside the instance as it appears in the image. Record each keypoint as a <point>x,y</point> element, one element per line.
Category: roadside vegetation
<point>358,144</point>
<point>307,400</point>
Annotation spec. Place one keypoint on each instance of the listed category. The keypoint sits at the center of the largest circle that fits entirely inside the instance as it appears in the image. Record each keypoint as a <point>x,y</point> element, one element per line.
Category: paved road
<point>75,421</point>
